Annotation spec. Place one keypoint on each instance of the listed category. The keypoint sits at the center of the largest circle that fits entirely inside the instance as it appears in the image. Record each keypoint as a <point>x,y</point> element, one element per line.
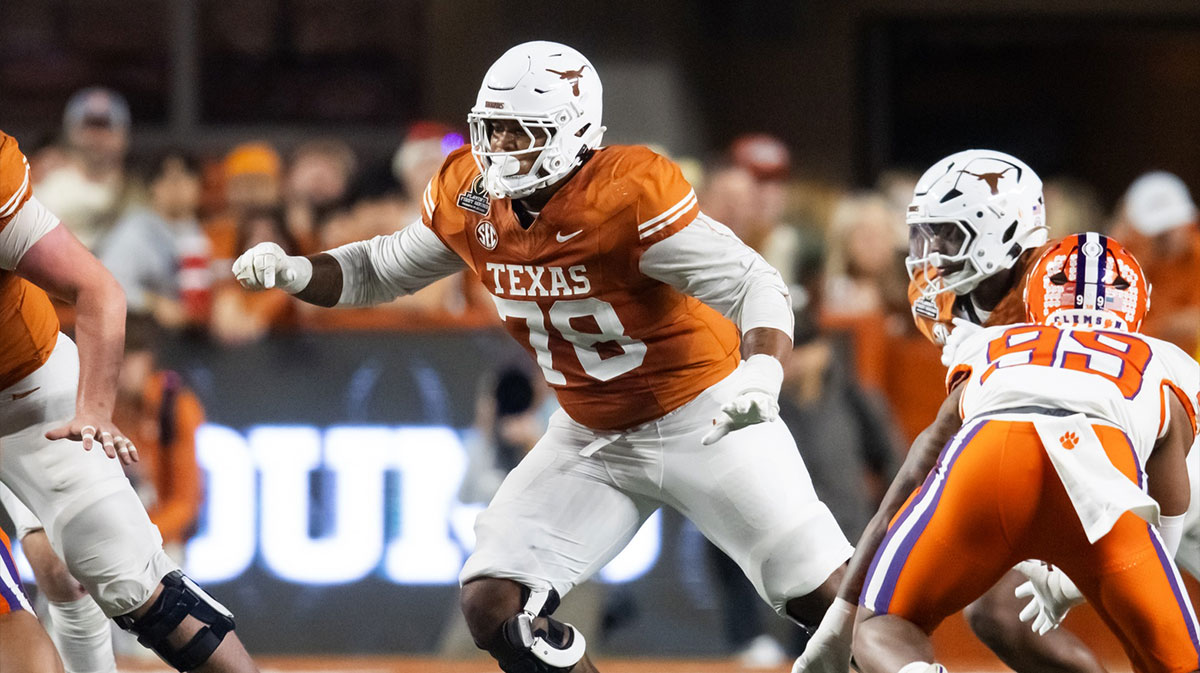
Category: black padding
<point>177,602</point>
<point>518,658</point>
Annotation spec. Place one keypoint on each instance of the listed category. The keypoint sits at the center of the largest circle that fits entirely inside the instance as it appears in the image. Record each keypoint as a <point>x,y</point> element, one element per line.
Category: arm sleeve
<point>707,261</point>
<point>387,267</point>
<point>28,226</point>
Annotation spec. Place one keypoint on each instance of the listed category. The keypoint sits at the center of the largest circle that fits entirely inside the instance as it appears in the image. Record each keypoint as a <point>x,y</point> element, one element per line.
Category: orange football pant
<point>993,500</point>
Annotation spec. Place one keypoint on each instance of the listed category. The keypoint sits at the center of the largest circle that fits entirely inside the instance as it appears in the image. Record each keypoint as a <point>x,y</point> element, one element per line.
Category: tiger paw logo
<point>1068,440</point>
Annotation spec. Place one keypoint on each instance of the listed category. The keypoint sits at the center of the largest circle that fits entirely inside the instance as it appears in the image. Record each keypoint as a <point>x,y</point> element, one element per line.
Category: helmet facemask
<point>501,170</point>
<point>941,249</point>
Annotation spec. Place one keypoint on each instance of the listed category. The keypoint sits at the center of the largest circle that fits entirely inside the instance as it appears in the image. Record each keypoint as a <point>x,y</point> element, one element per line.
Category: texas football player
<point>660,332</point>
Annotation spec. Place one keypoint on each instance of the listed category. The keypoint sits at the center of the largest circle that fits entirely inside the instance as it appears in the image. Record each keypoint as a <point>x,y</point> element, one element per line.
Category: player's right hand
<point>266,265</point>
<point>1052,594</point>
<point>963,329</point>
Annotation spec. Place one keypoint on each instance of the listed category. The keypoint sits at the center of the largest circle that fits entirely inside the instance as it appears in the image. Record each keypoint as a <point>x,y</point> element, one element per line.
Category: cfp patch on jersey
<point>475,199</point>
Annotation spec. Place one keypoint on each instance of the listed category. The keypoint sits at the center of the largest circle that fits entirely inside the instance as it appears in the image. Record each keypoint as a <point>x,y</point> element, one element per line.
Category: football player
<point>54,395</point>
<point>24,645</point>
<point>1072,435</point>
<point>976,224</point>
<point>635,305</point>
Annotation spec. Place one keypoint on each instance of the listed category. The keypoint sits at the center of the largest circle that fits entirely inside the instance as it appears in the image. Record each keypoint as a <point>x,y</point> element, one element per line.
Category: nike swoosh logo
<point>27,393</point>
<point>564,239</point>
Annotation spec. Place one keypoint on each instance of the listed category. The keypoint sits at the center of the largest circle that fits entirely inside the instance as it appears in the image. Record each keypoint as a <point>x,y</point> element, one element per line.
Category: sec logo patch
<point>486,233</point>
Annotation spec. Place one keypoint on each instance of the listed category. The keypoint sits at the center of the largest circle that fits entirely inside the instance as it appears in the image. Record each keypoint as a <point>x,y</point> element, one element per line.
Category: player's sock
<point>83,636</point>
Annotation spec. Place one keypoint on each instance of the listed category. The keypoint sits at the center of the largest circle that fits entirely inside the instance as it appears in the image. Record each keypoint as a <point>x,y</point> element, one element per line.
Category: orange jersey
<point>618,347</point>
<point>28,324</point>
<point>934,314</point>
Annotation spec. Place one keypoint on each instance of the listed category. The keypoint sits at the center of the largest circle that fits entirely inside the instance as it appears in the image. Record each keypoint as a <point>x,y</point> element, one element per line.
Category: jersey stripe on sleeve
<point>427,199</point>
<point>18,198</point>
<point>669,216</point>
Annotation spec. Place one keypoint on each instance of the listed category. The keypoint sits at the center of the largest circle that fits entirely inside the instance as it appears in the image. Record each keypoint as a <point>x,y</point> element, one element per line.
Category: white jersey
<point>1117,377</point>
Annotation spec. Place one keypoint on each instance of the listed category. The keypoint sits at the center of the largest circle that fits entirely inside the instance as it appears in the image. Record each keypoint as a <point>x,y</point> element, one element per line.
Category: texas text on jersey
<point>619,347</point>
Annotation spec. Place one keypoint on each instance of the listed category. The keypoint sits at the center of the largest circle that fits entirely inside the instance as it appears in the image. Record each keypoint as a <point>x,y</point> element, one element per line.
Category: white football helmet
<point>972,215</point>
<point>550,90</point>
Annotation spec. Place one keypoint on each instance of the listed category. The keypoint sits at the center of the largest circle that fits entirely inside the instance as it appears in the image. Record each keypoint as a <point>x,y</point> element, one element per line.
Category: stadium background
<point>1097,92</point>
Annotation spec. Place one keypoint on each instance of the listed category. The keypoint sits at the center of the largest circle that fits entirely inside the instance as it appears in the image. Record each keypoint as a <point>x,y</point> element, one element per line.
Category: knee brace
<point>181,598</point>
<point>554,648</point>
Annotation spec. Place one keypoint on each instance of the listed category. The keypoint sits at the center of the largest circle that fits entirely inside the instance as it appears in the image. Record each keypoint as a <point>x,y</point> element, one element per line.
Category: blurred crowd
<point>169,225</point>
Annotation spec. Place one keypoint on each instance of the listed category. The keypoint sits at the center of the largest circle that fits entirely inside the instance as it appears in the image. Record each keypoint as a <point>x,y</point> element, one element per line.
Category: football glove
<point>266,265</point>
<point>758,401</point>
<point>1052,594</point>
<point>963,330</point>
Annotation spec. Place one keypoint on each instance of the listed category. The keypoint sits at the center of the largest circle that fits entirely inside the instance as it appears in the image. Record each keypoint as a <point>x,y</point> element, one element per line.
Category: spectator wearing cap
<point>253,181</point>
<point>91,190</point>
<point>419,156</point>
<point>1158,223</point>
<point>769,163</point>
<point>159,253</point>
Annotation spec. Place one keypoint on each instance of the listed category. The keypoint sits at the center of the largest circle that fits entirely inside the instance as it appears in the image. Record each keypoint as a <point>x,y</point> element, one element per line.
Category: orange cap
<point>253,159</point>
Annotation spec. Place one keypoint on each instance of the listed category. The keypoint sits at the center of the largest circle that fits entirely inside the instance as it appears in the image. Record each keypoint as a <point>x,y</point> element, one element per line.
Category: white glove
<point>1052,594</point>
<point>758,401</point>
<point>266,265</point>
<point>963,329</point>
<point>828,651</point>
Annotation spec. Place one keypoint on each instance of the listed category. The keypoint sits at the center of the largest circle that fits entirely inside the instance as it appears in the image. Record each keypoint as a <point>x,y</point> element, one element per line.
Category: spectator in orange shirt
<point>253,175</point>
<point>1158,224</point>
<point>162,415</point>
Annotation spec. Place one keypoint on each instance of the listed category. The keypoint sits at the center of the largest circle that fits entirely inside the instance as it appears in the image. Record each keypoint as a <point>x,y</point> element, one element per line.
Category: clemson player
<point>24,646</point>
<point>1074,433</point>
<point>976,225</point>
<point>53,394</point>
<point>631,301</point>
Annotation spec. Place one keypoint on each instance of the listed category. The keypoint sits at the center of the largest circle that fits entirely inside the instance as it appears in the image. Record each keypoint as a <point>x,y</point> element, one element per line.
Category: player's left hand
<point>93,429</point>
<point>1052,594</point>
<point>758,401</point>
<point>963,329</point>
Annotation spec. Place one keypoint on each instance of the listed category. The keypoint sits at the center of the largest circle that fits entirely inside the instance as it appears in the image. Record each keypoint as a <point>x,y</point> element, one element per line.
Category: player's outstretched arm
<point>921,458</point>
<point>59,264</point>
<point>357,274</point>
